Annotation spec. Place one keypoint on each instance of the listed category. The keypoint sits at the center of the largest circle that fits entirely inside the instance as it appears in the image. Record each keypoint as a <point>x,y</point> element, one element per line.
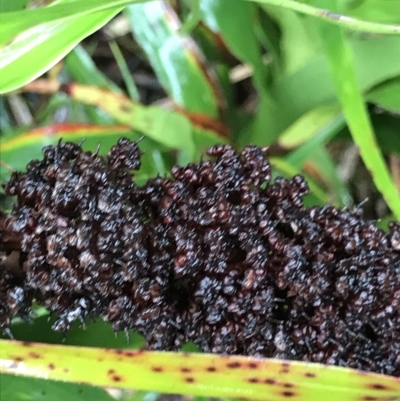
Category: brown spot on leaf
<point>116,378</point>
<point>369,398</point>
<point>67,88</point>
<point>26,344</point>
<point>186,370</point>
<point>270,381</point>
<point>253,380</point>
<point>378,386</point>
<point>52,366</point>
<point>131,354</point>
<point>253,365</point>
<point>288,385</point>
<point>18,359</point>
<point>34,355</point>
<point>289,394</point>
<point>189,380</point>
<point>65,370</point>
<point>157,369</point>
<point>211,369</point>
<point>111,372</point>
<point>310,374</point>
<point>233,365</point>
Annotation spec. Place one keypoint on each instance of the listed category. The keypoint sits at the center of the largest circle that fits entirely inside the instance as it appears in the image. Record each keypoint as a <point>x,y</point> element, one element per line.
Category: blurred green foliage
<point>316,85</point>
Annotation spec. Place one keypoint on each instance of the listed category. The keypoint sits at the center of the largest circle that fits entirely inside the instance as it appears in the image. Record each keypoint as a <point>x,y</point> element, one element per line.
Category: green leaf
<point>125,72</point>
<point>234,21</point>
<point>83,70</point>
<point>176,59</point>
<point>29,56</point>
<point>12,5</point>
<point>17,388</point>
<point>387,11</point>
<point>164,126</point>
<point>375,60</point>
<point>310,125</point>
<point>343,72</point>
<point>387,96</point>
<point>18,22</point>
<point>299,38</point>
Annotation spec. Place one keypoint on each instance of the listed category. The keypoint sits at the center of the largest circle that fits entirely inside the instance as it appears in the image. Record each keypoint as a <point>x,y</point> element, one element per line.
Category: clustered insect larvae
<point>219,255</point>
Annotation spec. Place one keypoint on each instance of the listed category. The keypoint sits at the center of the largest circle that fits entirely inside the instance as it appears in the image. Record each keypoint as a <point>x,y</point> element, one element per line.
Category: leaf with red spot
<point>197,374</point>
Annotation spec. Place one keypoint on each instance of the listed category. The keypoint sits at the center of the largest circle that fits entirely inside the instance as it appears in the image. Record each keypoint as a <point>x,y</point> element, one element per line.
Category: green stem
<point>337,19</point>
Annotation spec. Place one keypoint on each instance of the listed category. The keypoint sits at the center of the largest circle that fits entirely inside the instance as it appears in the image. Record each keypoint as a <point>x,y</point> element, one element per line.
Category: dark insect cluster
<point>219,254</point>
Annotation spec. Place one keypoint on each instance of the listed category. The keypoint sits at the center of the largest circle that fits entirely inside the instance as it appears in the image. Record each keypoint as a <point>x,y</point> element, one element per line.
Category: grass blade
<point>126,74</point>
<point>341,63</point>
<point>197,374</point>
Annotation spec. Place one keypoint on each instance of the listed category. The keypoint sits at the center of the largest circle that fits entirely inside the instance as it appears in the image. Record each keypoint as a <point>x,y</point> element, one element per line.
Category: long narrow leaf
<point>16,22</point>
<point>197,374</point>
<point>176,58</point>
<point>353,106</point>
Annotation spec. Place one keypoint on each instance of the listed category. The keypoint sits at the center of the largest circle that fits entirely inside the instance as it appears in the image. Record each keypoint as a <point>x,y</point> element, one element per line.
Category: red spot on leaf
<point>253,365</point>
<point>233,365</point>
<point>131,354</point>
<point>378,386</point>
<point>285,367</point>
<point>288,385</point>
<point>289,394</point>
<point>67,88</point>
